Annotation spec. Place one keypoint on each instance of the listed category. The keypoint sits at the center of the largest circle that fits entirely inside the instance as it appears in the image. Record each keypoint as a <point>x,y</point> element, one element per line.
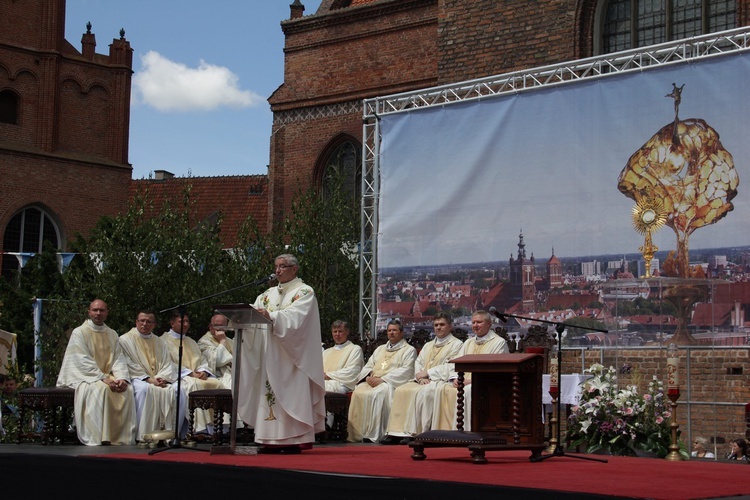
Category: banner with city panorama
<point>460,183</point>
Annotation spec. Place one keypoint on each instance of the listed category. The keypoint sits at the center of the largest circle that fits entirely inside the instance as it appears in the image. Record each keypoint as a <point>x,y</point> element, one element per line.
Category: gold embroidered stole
<point>102,348</point>
<point>146,348</point>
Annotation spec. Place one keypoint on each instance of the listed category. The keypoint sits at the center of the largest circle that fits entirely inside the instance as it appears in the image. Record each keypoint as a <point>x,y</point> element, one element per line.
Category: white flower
<point>585,425</point>
<point>595,384</point>
<point>596,369</point>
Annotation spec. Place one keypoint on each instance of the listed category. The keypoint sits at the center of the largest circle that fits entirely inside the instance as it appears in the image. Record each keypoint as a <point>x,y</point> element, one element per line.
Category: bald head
<point>98,312</point>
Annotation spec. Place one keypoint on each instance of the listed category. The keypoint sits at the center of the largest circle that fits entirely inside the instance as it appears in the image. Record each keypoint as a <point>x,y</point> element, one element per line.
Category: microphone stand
<point>174,444</point>
<point>559,328</point>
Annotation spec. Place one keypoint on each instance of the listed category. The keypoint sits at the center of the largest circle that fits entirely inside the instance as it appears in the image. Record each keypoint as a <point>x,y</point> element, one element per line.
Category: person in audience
<point>195,374</point>
<point>152,374</point>
<point>737,450</point>
<point>283,392</point>
<point>700,448</point>
<point>390,366</point>
<point>342,362</point>
<point>218,349</point>
<point>9,391</point>
<point>484,341</point>
<point>94,366</point>
<point>413,402</point>
<point>7,395</point>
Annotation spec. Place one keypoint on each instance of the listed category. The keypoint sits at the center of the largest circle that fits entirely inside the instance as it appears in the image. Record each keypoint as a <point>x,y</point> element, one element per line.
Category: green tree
<point>322,231</point>
<point>158,258</point>
<point>39,279</point>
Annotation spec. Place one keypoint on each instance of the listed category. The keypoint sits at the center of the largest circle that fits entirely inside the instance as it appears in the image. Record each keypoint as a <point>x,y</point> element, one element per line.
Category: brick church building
<point>64,111</point>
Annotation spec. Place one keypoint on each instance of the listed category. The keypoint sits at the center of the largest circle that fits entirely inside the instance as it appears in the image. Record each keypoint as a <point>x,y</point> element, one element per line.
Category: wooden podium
<point>506,407</point>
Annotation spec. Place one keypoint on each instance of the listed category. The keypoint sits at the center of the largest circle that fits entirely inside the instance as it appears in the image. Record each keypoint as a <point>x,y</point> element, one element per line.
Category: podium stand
<point>240,316</point>
<point>506,407</point>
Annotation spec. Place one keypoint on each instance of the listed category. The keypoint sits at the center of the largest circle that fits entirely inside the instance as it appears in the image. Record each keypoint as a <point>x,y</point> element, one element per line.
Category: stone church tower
<point>522,278</point>
<point>554,272</point>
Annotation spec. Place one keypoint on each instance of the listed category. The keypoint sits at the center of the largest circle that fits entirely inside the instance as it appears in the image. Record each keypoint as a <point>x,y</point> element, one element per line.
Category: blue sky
<point>203,74</point>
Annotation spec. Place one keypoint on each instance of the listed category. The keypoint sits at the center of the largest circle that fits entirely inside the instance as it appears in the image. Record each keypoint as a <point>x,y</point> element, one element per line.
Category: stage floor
<point>338,470</point>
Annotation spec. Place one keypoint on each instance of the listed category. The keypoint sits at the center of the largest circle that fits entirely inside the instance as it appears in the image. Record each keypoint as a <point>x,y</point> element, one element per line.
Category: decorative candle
<point>673,379</point>
<point>554,380</point>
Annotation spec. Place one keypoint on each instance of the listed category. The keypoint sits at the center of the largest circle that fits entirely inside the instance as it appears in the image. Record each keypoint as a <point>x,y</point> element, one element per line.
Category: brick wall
<point>331,64</point>
<point>68,151</point>
<point>486,37</point>
<point>76,194</point>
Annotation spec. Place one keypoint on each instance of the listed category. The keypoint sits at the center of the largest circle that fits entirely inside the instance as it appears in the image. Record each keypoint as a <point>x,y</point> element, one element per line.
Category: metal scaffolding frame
<point>635,60</point>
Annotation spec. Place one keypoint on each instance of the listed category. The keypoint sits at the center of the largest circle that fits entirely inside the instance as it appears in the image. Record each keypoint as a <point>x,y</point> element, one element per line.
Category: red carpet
<point>621,476</point>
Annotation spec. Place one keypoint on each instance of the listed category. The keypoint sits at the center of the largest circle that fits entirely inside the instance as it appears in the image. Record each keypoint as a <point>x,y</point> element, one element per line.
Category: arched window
<point>27,232</point>
<point>343,164</point>
<point>628,24</point>
<point>8,107</point>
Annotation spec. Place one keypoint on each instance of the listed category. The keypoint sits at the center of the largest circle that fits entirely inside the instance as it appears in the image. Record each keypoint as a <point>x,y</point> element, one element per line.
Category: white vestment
<point>192,361</point>
<point>342,363</point>
<point>219,357</point>
<point>101,415</point>
<point>370,406</point>
<point>282,394</point>
<point>444,416</point>
<point>413,403</point>
<point>147,357</point>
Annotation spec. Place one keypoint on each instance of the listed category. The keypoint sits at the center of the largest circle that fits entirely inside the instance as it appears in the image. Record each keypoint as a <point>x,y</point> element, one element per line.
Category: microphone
<point>268,278</point>
<point>502,317</point>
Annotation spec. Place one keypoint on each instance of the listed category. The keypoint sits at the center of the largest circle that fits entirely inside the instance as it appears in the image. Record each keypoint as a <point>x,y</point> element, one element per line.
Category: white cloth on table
<point>570,391</point>
<point>570,388</point>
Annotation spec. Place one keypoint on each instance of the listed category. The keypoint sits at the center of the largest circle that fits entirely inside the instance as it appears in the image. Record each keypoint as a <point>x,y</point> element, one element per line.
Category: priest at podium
<point>282,392</point>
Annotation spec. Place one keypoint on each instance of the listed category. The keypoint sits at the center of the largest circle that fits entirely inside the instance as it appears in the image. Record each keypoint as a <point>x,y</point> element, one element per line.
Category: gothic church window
<point>8,107</point>
<point>628,24</point>
<point>27,232</point>
<point>343,165</point>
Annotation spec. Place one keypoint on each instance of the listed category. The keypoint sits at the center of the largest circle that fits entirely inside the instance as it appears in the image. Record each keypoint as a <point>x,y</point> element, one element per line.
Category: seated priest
<point>104,407</point>
<point>195,374</point>
<point>414,402</point>
<point>342,362</point>
<point>390,366</point>
<point>152,375</point>
<point>218,349</point>
<point>485,341</point>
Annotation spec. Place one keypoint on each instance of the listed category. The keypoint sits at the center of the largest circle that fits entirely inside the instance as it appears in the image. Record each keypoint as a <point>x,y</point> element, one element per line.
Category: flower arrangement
<point>620,421</point>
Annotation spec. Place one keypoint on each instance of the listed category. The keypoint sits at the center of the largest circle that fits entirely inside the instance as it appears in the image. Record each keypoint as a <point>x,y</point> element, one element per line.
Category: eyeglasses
<point>284,266</point>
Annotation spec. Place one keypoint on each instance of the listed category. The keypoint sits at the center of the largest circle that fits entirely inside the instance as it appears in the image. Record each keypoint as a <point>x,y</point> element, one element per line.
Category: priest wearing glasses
<point>282,391</point>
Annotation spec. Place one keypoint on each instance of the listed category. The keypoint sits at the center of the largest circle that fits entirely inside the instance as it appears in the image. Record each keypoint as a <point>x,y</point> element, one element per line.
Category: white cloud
<point>170,86</point>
